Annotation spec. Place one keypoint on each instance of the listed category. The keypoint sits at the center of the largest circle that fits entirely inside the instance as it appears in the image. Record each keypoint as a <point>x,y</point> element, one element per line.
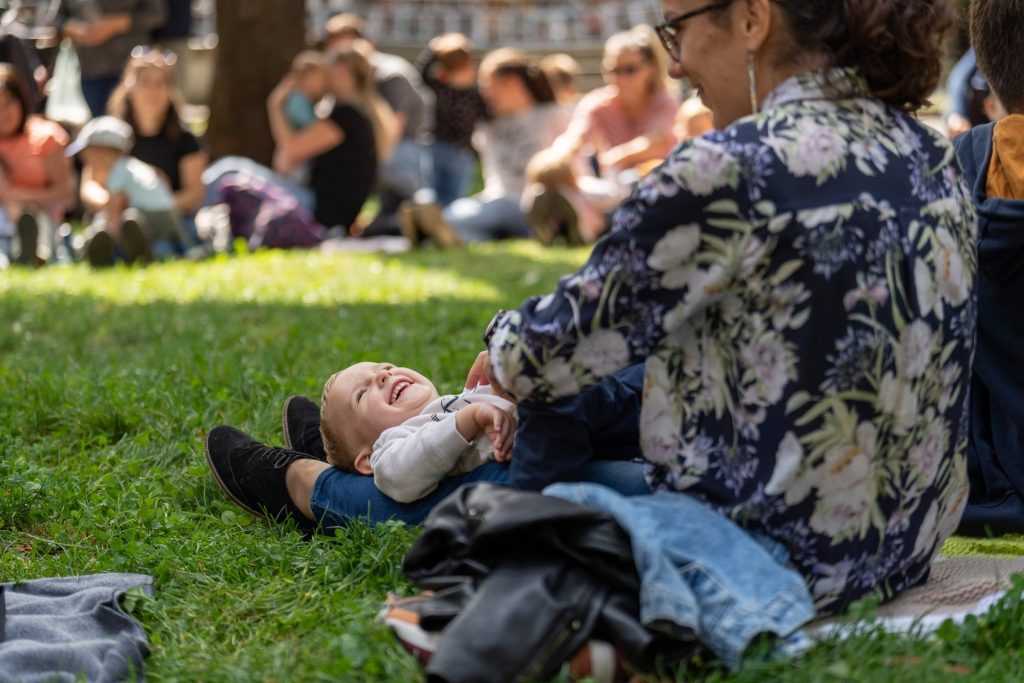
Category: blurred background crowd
<point>138,130</point>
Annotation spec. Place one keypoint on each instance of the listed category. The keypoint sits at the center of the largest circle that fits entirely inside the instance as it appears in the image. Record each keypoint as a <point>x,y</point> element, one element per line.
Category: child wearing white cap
<point>134,209</point>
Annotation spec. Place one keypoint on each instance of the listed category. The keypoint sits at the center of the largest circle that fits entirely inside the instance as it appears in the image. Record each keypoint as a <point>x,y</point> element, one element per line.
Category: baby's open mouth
<point>399,389</point>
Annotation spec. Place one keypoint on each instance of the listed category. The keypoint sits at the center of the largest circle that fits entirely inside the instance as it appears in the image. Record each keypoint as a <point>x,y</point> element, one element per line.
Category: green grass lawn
<point>109,382</point>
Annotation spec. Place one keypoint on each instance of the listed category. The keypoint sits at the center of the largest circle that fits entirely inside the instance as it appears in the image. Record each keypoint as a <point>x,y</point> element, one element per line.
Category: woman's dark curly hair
<point>896,45</point>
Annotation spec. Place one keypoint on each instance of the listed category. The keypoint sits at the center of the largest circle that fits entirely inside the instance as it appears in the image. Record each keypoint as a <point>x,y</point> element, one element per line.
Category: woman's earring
<point>752,73</point>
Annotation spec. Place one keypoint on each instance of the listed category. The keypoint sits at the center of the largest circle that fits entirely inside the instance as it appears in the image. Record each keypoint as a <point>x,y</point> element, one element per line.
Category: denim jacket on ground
<point>702,575</point>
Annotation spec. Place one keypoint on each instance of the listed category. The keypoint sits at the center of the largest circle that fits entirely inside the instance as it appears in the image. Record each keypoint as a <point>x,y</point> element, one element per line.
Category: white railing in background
<point>491,24</point>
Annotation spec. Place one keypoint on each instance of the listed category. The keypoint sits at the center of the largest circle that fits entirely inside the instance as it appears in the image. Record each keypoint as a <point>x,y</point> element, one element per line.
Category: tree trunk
<point>257,43</point>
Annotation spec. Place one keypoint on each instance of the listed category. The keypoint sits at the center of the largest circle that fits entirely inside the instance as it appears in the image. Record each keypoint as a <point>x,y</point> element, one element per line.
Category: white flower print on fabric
<point>559,374</point>
<point>914,355</point>
<point>602,352</point>
<point>672,254</point>
<point>845,487</point>
<point>925,287</point>
<point>769,365</point>
<point>787,465</point>
<point>952,276</point>
<point>814,150</point>
<point>800,285</point>
<point>926,457</point>
<point>659,416</point>
<point>899,401</point>
<point>709,167</point>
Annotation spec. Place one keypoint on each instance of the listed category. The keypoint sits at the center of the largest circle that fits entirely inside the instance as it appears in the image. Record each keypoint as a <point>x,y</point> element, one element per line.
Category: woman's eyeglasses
<point>670,31</point>
<point>153,55</point>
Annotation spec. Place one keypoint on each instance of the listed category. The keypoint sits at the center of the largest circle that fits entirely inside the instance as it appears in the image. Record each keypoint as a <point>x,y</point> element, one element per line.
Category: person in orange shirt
<point>35,181</point>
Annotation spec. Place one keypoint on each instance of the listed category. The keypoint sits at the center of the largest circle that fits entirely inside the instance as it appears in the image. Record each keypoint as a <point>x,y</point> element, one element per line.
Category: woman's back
<point>827,252</point>
<point>801,287</point>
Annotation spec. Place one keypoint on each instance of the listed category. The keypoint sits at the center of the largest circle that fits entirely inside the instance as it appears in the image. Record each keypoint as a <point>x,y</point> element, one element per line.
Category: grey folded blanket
<point>64,629</point>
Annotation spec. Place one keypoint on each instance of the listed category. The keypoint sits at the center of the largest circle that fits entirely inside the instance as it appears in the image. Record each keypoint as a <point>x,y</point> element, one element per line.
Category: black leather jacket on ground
<point>523,582</point>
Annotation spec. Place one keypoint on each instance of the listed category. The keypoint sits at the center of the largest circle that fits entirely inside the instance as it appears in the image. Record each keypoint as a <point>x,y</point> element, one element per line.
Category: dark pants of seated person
<point>554,441</point>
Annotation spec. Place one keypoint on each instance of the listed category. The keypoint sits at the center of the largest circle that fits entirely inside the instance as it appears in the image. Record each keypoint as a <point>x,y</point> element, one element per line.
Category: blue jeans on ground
<point>5,250</point>
<point>453,171</point>
<point>234,164</point>
<point>97,92</point>
<point>701,574</point>
<point>479,220</point>
<point>340,497</point>
<point>555,440</point>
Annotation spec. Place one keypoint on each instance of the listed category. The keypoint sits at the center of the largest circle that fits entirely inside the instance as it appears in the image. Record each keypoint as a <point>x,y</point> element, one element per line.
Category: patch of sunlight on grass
<point>272,277</point>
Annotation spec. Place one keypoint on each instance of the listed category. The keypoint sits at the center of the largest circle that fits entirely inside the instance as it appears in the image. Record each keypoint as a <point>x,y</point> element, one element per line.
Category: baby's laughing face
<point>368,398</point>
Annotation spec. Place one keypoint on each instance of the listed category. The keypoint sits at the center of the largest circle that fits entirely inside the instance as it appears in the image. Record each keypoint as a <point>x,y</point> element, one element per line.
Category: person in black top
<point>361,128</point>
<point>448,69</point>
<point>147,99</point>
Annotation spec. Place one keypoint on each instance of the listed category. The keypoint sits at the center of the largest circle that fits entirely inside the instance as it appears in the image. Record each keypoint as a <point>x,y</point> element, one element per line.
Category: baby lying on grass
<point>390,422</point>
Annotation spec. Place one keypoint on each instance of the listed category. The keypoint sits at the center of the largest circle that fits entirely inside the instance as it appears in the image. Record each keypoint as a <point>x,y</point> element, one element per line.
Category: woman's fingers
<point>480,372</point>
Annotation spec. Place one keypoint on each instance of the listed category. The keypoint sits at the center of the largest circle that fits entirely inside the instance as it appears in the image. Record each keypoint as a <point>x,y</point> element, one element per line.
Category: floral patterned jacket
<point>801,288</point>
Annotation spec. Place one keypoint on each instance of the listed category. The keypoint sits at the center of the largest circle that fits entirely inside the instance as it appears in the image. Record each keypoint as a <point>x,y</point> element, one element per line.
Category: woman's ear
<point>756,24</point>
<point>362,463</point>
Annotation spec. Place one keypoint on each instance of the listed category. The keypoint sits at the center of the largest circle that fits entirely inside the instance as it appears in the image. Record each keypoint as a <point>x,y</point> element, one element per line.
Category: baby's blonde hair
<point>338,453</point>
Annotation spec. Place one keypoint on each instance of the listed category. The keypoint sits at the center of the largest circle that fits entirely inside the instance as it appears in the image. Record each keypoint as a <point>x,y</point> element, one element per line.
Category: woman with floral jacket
<point>800,285</point>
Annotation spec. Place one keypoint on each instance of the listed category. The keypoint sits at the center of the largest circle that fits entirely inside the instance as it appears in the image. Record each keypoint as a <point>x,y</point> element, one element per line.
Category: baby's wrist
<point>465,422</point>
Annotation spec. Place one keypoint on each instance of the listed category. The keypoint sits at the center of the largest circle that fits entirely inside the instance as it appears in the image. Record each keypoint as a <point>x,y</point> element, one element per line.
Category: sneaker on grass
<point>253,475</point>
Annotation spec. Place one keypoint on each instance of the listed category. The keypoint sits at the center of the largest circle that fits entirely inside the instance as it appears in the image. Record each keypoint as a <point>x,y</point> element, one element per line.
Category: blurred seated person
<point>564,73</point>
<point>628,121</point>
<point>36,184</point>
<point>310,78</point>
<point>692,120</point>
<point>408,169</point>
<point>567,207</point>
<point>967,90</point>
<point>134,218</point>
<point>148,100</point>
<point>524,120</point>
<point>448,69</point>
<point>343,148</point>
<point>623,127</point>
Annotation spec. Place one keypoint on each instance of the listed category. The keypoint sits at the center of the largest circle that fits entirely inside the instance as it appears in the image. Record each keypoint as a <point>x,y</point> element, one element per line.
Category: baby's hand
<point>500,427</point>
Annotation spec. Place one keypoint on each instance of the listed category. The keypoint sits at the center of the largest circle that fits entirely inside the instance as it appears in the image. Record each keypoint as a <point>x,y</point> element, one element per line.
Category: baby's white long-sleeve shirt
<point>410,460</point>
